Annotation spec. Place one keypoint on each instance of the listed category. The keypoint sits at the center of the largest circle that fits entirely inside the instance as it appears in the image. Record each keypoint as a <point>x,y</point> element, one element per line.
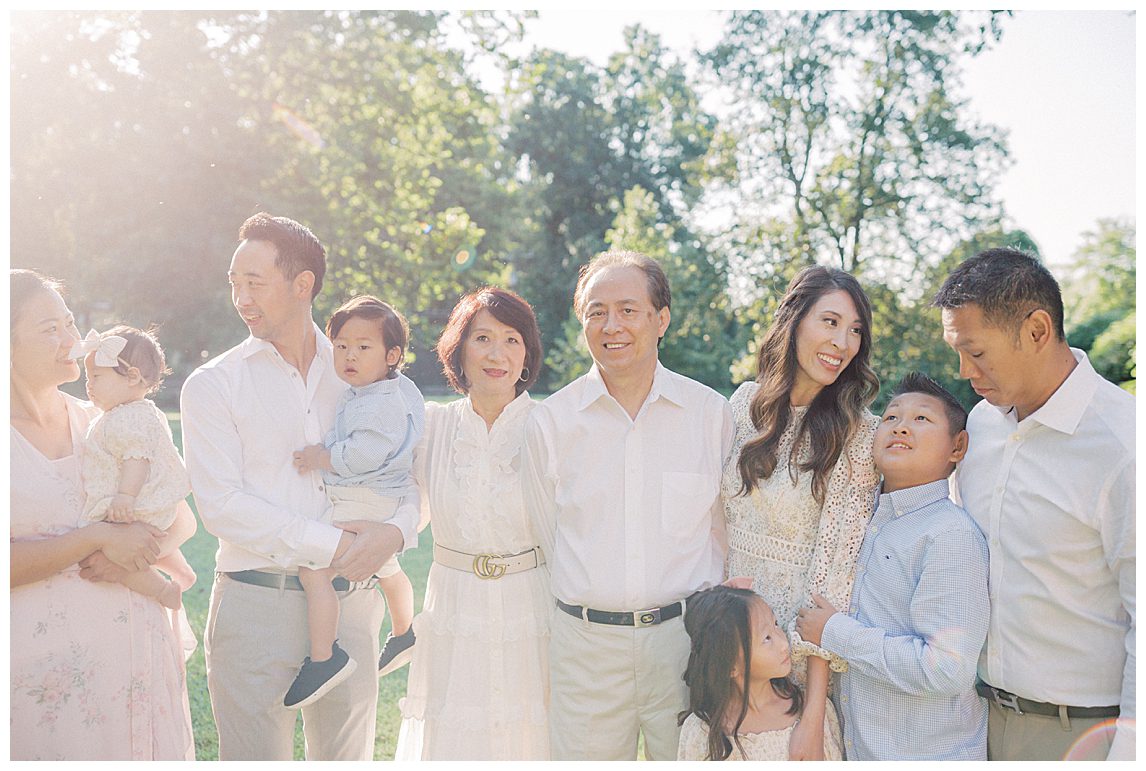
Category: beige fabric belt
<point>488,566</point>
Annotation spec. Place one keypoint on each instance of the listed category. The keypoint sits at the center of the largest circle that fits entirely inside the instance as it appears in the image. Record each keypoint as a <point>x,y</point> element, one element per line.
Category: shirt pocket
<point>686,499</point>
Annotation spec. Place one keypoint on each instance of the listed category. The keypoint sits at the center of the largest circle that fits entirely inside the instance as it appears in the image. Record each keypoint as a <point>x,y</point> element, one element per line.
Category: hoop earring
<point>524,375</point>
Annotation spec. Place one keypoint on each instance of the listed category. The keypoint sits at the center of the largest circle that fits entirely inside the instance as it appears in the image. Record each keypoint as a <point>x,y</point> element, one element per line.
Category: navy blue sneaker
<point>316,678</point>
<point>397,652</point>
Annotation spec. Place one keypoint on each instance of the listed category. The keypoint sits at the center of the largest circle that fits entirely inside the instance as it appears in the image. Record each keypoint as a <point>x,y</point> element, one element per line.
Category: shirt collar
<point>911,499</point>
<point>1064,409</point>
<point>323,347</point>
<point>664,385</point>
<point>384,386</point>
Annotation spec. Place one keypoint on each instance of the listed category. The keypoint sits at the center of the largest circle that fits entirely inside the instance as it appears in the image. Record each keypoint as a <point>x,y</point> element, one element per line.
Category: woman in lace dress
<point>97,670</point>
<point>799,485</point>
<point>478,683</point>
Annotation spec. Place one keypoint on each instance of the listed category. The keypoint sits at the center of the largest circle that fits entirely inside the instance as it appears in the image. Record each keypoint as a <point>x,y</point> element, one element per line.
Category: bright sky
<point>1061,84</point>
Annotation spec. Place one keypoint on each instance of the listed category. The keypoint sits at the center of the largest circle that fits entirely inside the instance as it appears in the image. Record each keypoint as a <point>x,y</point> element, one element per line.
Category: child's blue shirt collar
<point>911,499</point>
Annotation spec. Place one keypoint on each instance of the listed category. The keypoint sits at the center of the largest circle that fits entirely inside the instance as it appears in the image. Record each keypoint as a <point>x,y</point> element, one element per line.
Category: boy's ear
<point>393,355</point>
<point>962,439</point>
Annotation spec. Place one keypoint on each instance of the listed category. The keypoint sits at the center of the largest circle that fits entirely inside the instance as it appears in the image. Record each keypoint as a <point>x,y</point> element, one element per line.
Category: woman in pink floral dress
<point>96,670</point>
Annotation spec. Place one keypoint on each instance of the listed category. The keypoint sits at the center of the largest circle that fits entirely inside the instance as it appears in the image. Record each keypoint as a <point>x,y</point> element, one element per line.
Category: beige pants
<point>255,638</point>
<point>363,503</point>
<point>1011,736</point>
<point>609,683</point>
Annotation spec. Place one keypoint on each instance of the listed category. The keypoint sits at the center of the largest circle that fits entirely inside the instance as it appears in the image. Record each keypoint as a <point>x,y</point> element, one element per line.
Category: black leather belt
<point>1020,705</point>
<point>649,617</point>
<point>284,581</point>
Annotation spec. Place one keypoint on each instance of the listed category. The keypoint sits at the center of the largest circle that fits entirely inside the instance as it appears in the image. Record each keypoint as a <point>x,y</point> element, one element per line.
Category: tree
<point>583,136</point>
<point>1099,299</point>
<point>703,337</point>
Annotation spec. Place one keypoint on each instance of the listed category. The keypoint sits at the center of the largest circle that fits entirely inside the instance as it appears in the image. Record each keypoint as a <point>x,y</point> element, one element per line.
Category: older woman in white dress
<point>478,683</point>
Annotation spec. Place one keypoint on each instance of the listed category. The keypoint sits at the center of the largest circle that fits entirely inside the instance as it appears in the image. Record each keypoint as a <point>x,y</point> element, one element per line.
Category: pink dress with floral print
<point>97,670</point>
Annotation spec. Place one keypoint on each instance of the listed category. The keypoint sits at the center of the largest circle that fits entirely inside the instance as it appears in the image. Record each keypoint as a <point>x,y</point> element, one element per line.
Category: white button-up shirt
<point>628,510</point>
<point>1054,494</point>
<point>244,413</point>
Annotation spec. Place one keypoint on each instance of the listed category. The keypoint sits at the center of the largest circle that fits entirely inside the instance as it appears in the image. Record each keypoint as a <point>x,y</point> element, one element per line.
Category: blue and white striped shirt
<point>375,432</point>
<point>912,635</point>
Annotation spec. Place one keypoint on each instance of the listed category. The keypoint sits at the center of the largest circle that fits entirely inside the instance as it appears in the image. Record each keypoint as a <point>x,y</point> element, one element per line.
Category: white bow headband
<point>107,349</point>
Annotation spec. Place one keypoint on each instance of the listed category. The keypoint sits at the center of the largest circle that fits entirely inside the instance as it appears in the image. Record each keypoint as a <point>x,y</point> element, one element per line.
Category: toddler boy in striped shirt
<point>918,613</point>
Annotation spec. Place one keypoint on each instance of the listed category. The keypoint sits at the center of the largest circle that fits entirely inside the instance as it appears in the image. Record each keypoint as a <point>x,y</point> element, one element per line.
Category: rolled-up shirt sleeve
<point>213,453</point>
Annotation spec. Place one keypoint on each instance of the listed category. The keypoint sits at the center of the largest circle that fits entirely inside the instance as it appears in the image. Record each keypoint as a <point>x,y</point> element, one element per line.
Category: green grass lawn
<point>200,552</point>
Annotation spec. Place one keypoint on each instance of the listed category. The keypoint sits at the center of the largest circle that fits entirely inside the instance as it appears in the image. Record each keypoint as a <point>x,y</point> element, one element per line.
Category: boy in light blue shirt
<point>918,614</point>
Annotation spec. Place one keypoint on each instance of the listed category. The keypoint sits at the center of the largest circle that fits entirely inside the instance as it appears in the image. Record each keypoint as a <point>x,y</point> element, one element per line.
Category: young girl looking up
<point>742,705</point>
<point>131,469</point>
<point>365,464</point>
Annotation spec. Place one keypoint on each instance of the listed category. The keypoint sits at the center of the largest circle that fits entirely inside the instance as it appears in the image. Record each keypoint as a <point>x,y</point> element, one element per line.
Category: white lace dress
<point>134,430</point>
<point>782,538</point>
<point>765,745</point>
<point>479,679</point>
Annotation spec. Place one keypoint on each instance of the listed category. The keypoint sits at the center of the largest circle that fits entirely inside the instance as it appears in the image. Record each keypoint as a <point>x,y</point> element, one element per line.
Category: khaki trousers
<point>1011,736</point>
<point>609,683</point>
<point>255,641</point>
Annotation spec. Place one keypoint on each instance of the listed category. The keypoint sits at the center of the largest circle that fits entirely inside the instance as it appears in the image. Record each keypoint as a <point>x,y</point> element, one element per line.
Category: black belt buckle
<point>649,617</point>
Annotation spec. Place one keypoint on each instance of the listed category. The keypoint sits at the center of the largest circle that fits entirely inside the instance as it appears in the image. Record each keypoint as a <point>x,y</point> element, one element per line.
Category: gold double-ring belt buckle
<point>485,569</point>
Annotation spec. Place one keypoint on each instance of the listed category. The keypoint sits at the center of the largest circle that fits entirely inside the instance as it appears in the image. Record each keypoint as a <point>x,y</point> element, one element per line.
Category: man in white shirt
<point>1049,478</point>
<point>244,414</point>
<point>622,477</point>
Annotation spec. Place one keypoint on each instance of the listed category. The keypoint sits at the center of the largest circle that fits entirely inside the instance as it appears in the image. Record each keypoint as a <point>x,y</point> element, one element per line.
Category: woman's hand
<point>97,567</point>
<point>134,546</point>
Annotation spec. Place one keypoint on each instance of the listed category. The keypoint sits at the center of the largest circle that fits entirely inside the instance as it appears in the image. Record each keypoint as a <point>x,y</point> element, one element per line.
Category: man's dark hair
<point>1007,285</point>
<point>918,383</point>
<point>298,248</point>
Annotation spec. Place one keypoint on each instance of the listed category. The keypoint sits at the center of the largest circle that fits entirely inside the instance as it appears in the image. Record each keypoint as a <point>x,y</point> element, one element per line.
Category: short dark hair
<point>659,291</point>
<point>1008,285</point>
<point>23,286</point>
<point>919,383</point>
<point>298,249</point>
<point>395,330</point>
<point>142,352</point>
<point>505,306</point>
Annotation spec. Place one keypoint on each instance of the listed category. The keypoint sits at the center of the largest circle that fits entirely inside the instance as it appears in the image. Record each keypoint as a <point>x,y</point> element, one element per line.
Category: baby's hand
<point>122,508</point>
<point>314,457</point>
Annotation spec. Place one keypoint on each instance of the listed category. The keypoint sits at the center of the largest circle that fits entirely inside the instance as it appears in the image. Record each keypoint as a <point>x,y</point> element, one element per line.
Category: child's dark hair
<point>395,330</point>
<point>142,352</point>
<point>719,626</point>
<point>919,383</point>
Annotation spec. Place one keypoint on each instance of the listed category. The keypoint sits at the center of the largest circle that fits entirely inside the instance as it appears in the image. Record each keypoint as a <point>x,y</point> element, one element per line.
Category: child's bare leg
<point>151,583</point>
<point>321,610</point>
<point>399,593</point>
<point>180,570</point>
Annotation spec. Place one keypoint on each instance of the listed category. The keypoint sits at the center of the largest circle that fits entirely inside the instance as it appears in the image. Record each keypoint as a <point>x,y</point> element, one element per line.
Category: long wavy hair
<point>837,410</point>
<point>719,626</point>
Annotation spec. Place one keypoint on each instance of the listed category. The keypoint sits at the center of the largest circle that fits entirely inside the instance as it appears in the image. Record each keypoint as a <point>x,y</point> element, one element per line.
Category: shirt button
<point>1015,437</point>
<point>321,488</point>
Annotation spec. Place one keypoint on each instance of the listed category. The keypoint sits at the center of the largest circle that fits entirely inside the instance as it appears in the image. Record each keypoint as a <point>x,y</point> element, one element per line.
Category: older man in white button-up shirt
<point>622,476</point>
<point>1049,478</point>
<point>244,414</point>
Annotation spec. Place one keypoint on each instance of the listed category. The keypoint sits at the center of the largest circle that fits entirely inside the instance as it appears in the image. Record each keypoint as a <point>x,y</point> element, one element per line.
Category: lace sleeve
<point>693,740</point>
<point>848,505</point>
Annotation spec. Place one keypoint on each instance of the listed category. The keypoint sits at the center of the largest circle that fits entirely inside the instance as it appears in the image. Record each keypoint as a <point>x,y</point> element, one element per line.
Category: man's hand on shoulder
<point>373,543</point>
